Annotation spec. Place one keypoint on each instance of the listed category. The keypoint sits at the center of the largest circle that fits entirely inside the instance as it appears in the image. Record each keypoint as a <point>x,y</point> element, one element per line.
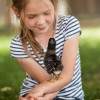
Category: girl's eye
<point>47,13</point>
<point>31,17</point>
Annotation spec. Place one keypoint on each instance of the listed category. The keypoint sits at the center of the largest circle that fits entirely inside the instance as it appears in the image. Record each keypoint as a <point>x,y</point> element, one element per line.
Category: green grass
<point>11,74</point>
<point>90,56</point>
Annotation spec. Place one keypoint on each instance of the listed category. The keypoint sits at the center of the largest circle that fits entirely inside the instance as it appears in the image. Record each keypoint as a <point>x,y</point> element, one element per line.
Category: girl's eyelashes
<point>46,13</point>
<point>31,16</point>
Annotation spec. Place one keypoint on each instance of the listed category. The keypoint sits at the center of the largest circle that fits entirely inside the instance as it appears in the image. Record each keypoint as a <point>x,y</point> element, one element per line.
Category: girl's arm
<point>49,96</point>
<point>36,72</point>
<point>34,69</point>
<point>70,52</point>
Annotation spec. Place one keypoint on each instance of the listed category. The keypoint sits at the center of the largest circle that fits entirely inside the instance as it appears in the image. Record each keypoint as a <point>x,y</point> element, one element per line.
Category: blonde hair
<point>26,35</point>
<point>55,3</point>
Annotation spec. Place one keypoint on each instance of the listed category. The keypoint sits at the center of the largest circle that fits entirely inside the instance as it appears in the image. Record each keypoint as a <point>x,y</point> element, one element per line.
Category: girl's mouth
<point>42,28</point>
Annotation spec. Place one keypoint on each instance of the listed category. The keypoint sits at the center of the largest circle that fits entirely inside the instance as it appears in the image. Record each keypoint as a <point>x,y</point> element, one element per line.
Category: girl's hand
<point>39,98</point>
<point>34,95</point>
<point>38,91</point>
<point>42,98</point>
<point>24,98</point>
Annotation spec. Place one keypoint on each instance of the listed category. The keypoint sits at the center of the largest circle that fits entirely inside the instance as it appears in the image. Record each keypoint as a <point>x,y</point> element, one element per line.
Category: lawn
<point>90,58</point>
<point>11,74</point>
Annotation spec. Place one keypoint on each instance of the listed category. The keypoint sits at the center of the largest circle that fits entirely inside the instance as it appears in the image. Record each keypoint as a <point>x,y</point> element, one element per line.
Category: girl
<point>39,22</point>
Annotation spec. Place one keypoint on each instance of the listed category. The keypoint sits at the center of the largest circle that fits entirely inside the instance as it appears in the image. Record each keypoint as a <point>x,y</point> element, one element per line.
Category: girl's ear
<point>15,10</point>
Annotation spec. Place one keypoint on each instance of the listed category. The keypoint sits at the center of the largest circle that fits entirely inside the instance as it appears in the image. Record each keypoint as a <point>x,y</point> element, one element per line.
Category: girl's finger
<point>31,99</point>
<point>22,98</point>
<point>35,98</point>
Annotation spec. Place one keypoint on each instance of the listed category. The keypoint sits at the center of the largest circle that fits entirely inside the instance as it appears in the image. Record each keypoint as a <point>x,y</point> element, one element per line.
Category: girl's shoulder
<point>16,48</point>
<point>16,40</point>
<point>65,19</point>
<point>68,26</point>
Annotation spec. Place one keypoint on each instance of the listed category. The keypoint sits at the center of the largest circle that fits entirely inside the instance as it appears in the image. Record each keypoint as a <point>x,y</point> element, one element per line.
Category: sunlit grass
<point>91,32</point>
<point>5,43</point>
<point>91,37</point>
<point>90,58</point>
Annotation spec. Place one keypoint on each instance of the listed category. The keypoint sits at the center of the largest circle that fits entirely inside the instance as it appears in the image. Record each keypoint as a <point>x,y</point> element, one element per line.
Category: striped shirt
<point>66,28</point>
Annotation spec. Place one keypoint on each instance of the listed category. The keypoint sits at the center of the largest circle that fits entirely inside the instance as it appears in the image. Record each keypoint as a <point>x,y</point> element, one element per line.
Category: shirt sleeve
<point>72,27</point>
<point>16,49</point>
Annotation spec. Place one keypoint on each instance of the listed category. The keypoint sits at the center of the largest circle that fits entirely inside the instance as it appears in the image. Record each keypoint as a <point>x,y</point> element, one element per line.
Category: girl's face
<point>38,16</point>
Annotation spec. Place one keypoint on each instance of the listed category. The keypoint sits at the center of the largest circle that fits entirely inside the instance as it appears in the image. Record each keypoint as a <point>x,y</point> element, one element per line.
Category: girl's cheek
<point>30,23</point>
<point>49,19</point>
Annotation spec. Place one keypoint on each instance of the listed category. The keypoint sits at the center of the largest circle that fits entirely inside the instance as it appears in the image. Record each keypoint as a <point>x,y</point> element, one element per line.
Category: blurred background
<point>88,13</point>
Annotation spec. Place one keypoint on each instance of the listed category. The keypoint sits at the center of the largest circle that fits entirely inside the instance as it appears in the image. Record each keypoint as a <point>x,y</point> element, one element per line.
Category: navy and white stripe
<point>66,28</point>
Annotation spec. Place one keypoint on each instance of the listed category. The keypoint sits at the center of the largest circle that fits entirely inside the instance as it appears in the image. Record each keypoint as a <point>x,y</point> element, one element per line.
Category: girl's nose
<point>40,20</point>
